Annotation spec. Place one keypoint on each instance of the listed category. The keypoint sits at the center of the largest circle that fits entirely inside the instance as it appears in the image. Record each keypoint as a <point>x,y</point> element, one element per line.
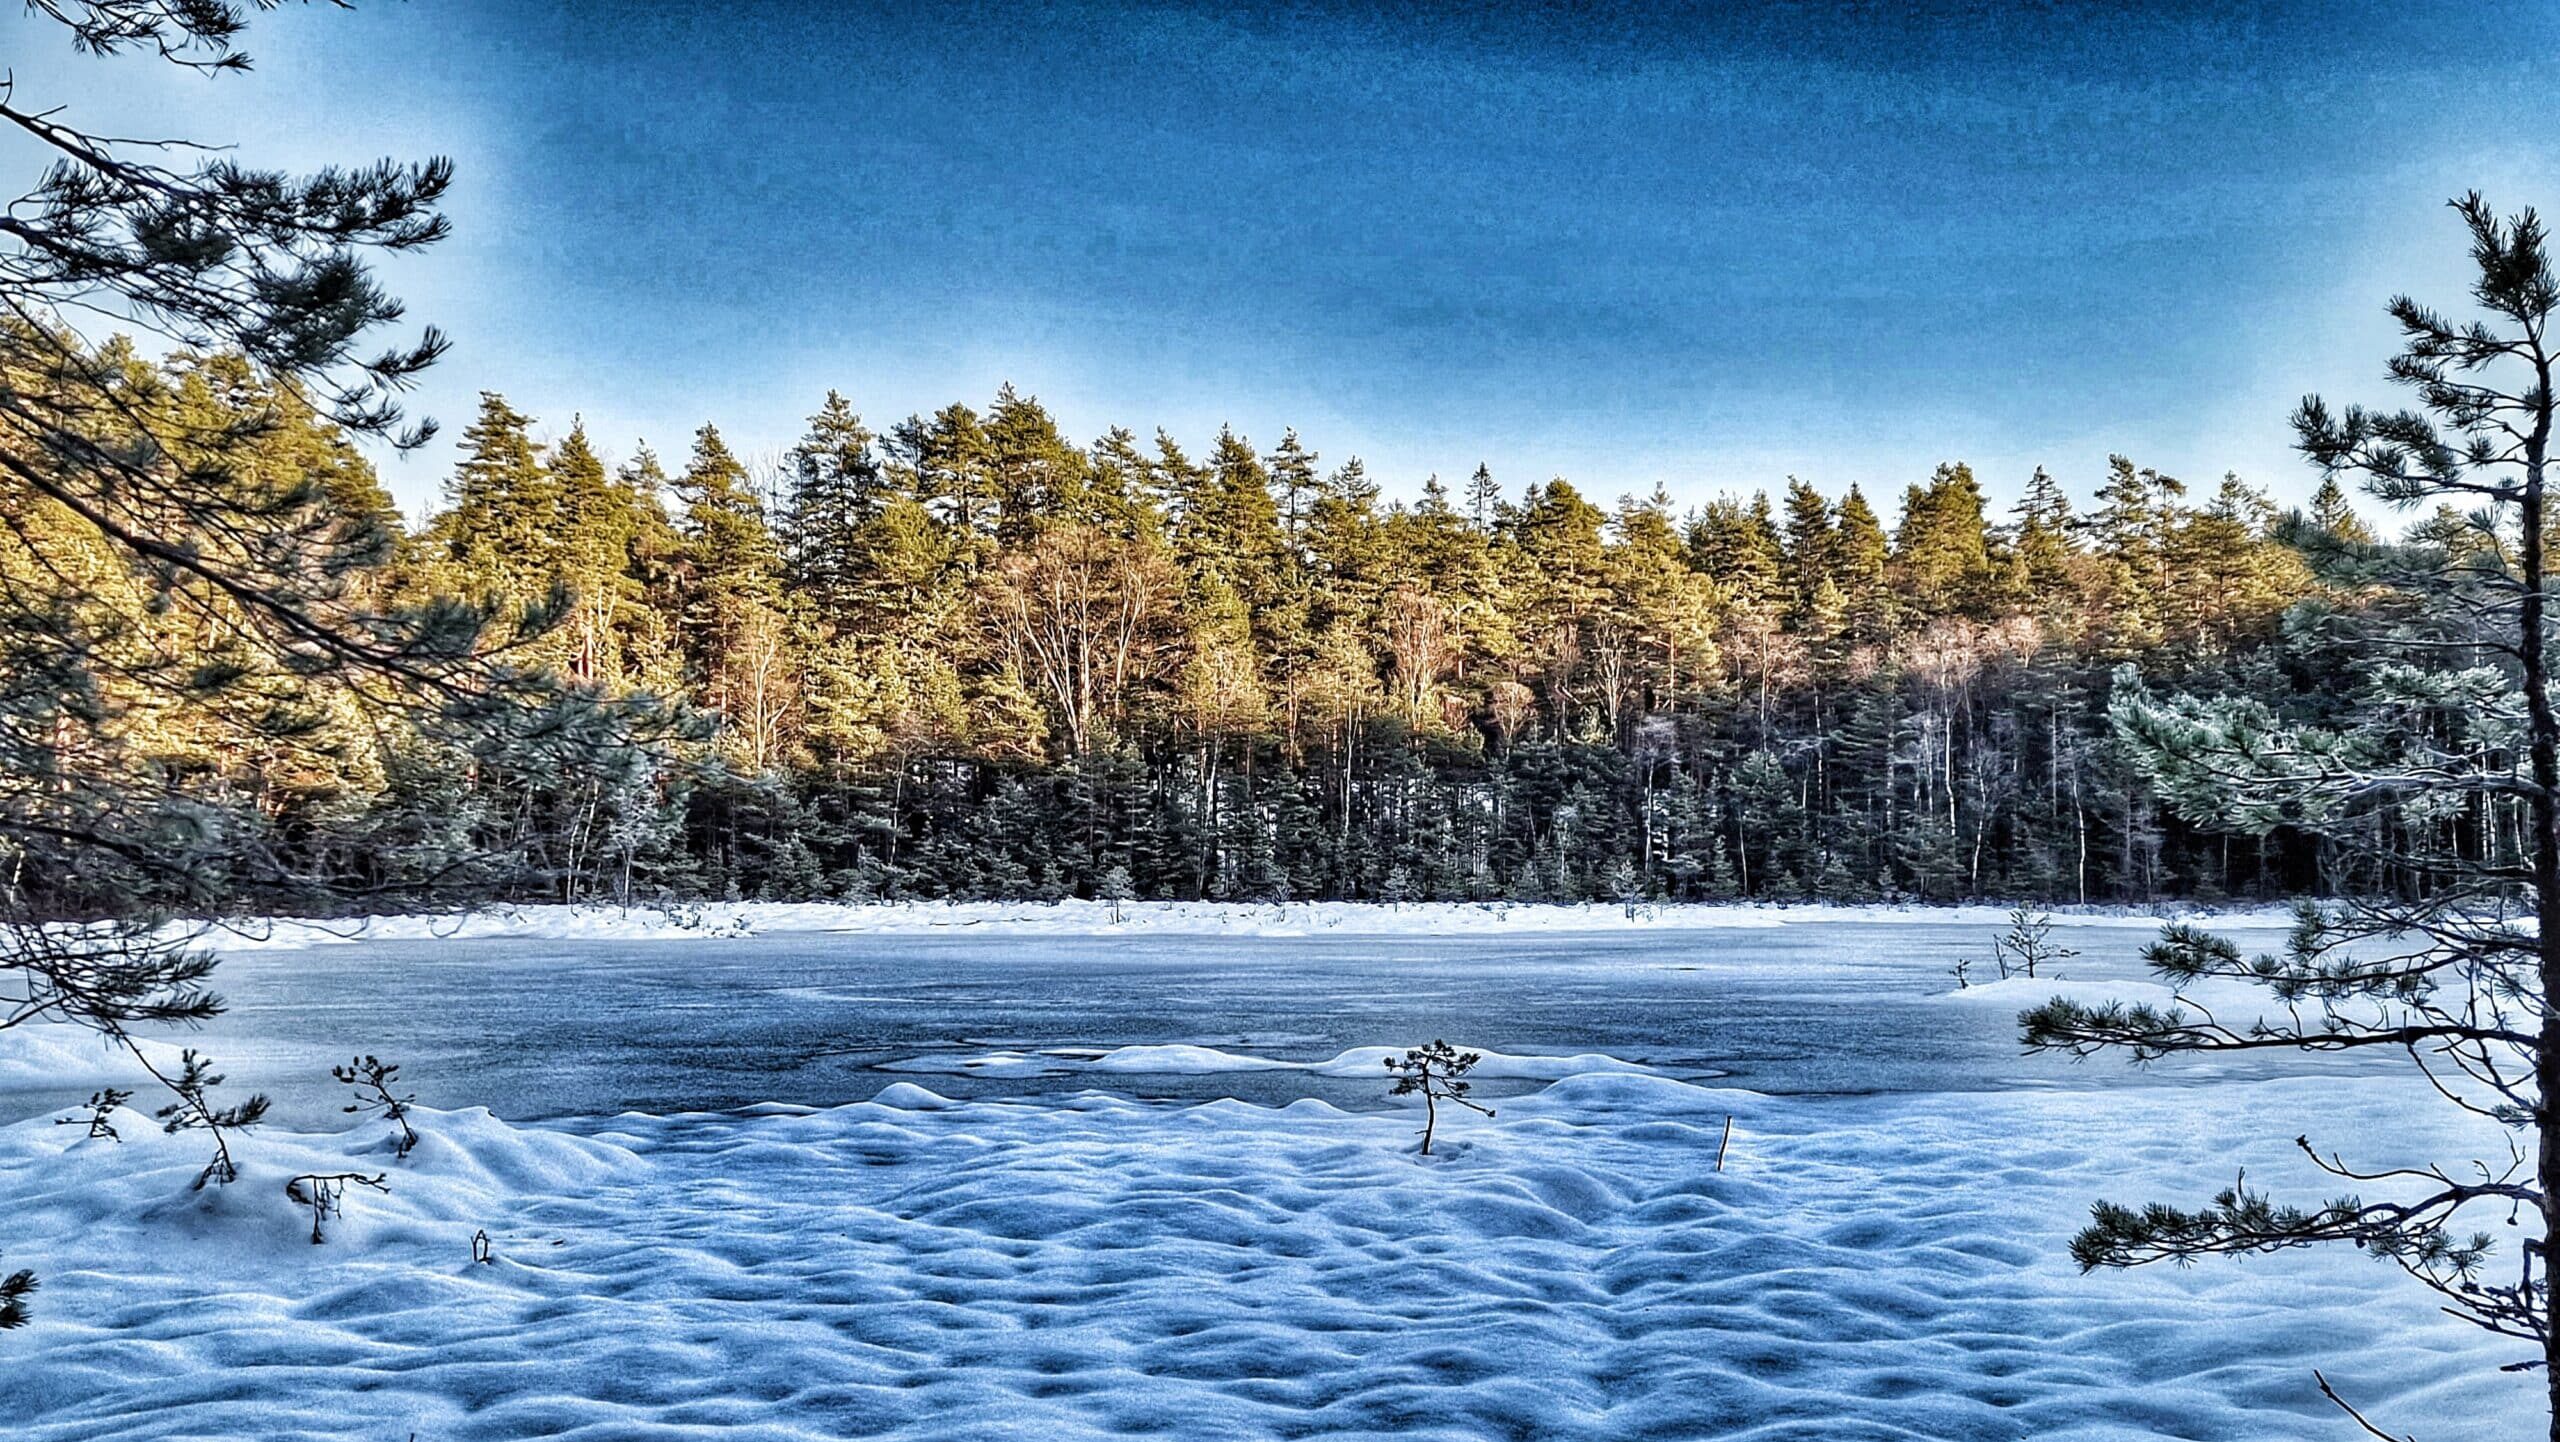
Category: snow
<point>729,920</point>
<point>52,1054</point>
<point>2018,993</point>
<point>1182,1059</point>
<point>1098,1267</point>
<point>1086,1264</point>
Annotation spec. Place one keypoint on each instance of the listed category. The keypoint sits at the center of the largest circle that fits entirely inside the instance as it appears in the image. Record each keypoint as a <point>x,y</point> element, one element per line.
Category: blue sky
<point>1624,245</point>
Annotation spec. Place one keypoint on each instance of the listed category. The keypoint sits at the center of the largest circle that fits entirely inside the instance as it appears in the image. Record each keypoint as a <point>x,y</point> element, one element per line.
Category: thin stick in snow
<point>1728,1141</point>
<point>2331,1393</point>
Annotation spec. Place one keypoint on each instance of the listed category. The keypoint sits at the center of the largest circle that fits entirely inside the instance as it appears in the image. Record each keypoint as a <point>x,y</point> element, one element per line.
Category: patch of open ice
<point>2017,993</point>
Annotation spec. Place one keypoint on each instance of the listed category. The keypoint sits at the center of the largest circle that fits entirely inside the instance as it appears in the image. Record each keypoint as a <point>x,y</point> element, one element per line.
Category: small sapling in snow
<point>14,1291</point>
<point>2027,945</point>
<point>325,1193</point>
<point>1117,888</point>
<point>102,1106</point>
<point>373,1079</point>
<point>1626,886</point>
<point>194,1108</point>
<point>1436,1071</point>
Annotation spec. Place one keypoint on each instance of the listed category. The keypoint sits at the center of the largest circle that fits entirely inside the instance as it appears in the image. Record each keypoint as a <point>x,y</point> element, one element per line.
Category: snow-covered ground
<point>1139,918</point>
<point>1086,1264</point>
<point>1103,1268</point>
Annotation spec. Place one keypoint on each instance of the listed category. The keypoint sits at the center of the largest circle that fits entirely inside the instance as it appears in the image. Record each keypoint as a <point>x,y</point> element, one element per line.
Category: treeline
<point>969,657</point>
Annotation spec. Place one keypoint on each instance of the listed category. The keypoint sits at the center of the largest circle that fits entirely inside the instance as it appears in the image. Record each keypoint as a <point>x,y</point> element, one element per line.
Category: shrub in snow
<point>480,1250</point>
<point>373,1078</point>
<point>14,1291</point>
<point>194,1110</point>
<point>325,1193</point>
<point>1626,886</point>
<point>2027,945</point>
<point>1436,1072</point>
<point>102,1106</point>
<point>1116,888</point>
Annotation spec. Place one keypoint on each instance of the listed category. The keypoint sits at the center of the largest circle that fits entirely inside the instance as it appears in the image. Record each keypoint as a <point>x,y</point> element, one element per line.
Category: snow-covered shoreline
<point>714,920</point>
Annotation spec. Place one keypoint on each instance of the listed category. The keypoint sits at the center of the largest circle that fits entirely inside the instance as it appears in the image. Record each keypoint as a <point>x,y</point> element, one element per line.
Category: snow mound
<point>57,1054</point>
<point>2019,993</point>
<point>1184,1059</point>
<point>915,1268</point>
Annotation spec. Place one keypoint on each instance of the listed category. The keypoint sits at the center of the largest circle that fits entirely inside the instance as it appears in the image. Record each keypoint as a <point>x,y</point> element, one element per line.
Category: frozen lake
<point>541,1028</point>
<point>968,1222</point>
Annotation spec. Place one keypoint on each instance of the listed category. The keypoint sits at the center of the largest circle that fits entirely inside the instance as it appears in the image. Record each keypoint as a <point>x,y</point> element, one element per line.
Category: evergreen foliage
<point>972,660</point>
<point>373,1079</point>
<point>1436,1072</point>
<point>2434,762</point>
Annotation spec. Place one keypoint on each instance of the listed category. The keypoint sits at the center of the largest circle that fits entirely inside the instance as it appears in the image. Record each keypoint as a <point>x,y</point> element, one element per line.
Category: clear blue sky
<point>1618,244</point>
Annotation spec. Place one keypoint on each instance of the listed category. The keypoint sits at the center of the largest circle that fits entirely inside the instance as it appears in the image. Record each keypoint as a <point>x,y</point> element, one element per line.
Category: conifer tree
<point>503,514</point>
<point>197,549</point>
<point>837,489</point>
<point>2469,957</point>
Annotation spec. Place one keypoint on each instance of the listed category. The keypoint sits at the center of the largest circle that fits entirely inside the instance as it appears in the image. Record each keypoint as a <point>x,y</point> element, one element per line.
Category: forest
<point>966,656</point>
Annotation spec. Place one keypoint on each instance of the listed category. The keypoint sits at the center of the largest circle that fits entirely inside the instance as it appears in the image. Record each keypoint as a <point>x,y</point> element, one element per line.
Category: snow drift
<point>910,1267</point>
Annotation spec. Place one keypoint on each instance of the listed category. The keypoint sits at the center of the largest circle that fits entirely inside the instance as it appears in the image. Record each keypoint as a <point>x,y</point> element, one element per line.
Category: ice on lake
<point>1147,1183</point>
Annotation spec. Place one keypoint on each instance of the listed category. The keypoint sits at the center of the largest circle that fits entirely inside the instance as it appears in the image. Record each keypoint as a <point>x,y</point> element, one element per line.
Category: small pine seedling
<point>14,1291</point>
<point>373,1078</point>
<point>325,1193</point>
<point>2028,944</point>
<point>102,1106</point>
<point>1436,1071</point>
<point>1117,888</point>
<point>194,1109</point>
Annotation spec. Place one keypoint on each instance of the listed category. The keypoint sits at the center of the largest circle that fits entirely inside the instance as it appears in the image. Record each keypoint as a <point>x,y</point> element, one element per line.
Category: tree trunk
<point>2544,729</point>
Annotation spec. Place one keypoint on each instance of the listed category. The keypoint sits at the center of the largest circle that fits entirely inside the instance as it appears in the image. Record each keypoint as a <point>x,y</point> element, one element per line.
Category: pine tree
<point>1860,569</point>
<point>1484,498</point>
<point>503,516</point>
<point>2466,963</point>
<point>196,554</point>
<point>1294,485</point>
<point>2044,545</point>
<point>736,642</point>
<point>837,490</point>
<point>1941,552</point>
<point>2335,514</point>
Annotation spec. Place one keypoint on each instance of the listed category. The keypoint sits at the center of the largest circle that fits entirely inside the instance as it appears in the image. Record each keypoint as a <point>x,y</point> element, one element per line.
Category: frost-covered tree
<point>2441,767</point>
<point>1117,889</point>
